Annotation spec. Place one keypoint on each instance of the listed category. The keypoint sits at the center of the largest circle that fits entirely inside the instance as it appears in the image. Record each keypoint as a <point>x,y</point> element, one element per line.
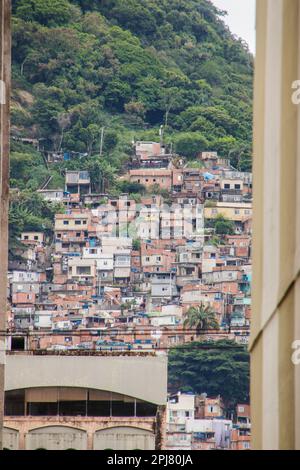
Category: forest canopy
<point>121,69</point>
<point>216,368</point>
<point>131,66</point>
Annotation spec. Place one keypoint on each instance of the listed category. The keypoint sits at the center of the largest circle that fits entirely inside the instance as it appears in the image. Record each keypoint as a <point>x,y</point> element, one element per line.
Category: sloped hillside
<point>131,66</point>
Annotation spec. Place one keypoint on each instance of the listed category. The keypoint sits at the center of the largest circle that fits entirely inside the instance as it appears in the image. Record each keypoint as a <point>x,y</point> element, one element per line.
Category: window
<point>77,222</point>
<point>227,186</point>
<point>66,222</point>
<point>236,211</point>
<point>237,186</point>
<point>83,270</point>
<point>15,403</point>
<point>78,234</point>
<point>26,237</point>
<point>36,237</point>
<point>18,343</point>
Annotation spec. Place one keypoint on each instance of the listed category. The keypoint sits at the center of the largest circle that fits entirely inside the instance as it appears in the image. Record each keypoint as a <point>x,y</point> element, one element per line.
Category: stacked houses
<point>121,274</point>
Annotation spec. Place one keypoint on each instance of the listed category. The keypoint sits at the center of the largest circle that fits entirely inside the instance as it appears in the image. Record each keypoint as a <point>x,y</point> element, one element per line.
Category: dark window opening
<point>120,408</point>
<point>98,408</point>
<point>72,408</point>
<point>42,409</point>
<point>14,403</point>
<point>145,409</point>
<point>17,343</point>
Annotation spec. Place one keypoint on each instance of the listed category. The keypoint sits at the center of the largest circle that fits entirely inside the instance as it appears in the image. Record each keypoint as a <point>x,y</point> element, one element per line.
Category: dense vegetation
<point>129,66</point>
<point>216,368</point>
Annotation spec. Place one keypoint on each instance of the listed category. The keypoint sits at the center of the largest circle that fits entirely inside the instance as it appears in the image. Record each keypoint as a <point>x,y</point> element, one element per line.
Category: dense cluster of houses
<point>196,422</point>
<point>121,274</point>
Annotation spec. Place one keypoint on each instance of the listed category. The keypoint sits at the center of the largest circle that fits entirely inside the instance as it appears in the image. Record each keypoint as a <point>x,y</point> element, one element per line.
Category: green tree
<point>136,244</point>
<point>223,226</point>
<point>191,144</point>
<point>216,368</point>
<point>30,212</point>
<point>201,319</point>
<point>47,12</point>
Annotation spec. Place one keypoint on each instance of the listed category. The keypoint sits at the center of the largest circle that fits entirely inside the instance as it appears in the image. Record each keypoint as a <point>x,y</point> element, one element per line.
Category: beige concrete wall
<point>82,433</point>
<point>144,378</point>
<point>5,66</point>
<point>56,438</point>
<point>10,439</point>
<point>124,438</point>
<point>275,380</point>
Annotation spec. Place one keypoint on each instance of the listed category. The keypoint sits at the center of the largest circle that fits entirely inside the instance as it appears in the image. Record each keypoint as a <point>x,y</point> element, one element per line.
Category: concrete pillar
<point>22,440</point>
<point>5,66</point>
<point>90,440</point>
<point>275,375</point>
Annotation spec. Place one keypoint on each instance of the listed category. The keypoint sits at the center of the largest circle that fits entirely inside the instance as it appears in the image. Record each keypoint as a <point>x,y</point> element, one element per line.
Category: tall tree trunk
<point>5,67</point>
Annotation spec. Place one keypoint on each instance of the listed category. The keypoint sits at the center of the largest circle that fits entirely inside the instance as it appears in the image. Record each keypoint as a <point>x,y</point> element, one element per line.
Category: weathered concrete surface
<point>80,433</point>
<point>144,378</point>
<point>5,66</point>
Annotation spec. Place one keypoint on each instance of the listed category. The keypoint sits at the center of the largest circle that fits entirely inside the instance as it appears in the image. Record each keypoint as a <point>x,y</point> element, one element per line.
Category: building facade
<point>56,402</point>
<point>275,378</point>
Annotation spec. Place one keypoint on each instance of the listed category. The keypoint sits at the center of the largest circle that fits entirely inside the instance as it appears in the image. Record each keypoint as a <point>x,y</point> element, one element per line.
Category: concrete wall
<point>5,78</point>
<point>144,378</point>
<point>10,439</point>
<point>56,438</point>
<point>275,379</point>
<point>124,438</point>
<point>81,433</point>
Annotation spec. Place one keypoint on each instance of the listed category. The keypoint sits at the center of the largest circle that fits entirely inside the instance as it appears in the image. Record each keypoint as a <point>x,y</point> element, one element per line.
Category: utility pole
<point>5,67</point>
<point>161,135</point>
<point>101,141</point>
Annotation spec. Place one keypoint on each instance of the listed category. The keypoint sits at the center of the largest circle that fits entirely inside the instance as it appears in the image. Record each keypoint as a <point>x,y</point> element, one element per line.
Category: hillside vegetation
<point>212,367</point>
<point>129,66</point>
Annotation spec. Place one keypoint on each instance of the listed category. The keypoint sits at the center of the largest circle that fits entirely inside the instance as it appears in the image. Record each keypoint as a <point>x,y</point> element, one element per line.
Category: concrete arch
<point>124,438</point>
<point>59,426</point>
<point>10,438</point>
<point>113,373</point>
<point>138,428</point>
<point>56,437</point>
